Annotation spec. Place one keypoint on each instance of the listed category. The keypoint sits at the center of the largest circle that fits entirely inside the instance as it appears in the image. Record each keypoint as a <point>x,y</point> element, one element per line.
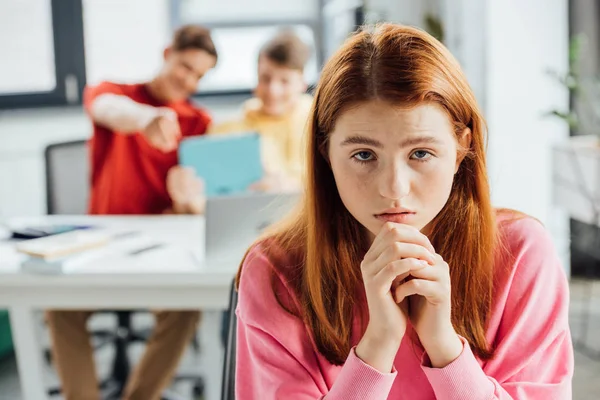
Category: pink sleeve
<point>265,369</point>
<point>534,354</point>
<point>275,356</point>
<point>358,380</point>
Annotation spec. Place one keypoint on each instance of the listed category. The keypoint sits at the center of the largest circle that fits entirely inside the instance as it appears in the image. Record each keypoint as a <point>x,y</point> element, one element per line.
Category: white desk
<point>171,277</point>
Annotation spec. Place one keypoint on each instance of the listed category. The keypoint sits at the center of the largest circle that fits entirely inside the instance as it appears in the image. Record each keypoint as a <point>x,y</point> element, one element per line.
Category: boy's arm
<point>123,115</point>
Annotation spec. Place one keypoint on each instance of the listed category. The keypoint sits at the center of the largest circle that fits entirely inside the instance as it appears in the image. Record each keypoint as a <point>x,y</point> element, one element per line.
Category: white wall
<point>26,46</point>
<point>523,40</point>
<point>410,12</point>
<point>465,28</point>
<point>124,40</point>
<point>245,10</point>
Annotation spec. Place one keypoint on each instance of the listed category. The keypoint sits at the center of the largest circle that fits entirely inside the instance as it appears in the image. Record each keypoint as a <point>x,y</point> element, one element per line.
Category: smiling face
<point>182,71</point>
<point>279,87</point>
<point>394,164</point>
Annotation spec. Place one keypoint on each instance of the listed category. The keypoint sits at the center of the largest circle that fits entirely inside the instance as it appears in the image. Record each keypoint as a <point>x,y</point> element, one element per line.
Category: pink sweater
<point>276,358</point>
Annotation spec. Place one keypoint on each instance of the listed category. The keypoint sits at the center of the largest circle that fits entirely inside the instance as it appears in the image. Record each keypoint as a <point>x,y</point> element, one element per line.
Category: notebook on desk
<point>228,164</point>
<point>64,244</point>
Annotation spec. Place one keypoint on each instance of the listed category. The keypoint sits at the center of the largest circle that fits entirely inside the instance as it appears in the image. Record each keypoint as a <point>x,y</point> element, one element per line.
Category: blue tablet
<point>227,163</point>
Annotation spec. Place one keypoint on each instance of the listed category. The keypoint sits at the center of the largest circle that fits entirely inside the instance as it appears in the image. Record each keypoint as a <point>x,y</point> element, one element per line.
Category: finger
<point>392,232</point>
<point>169,129</point>
<point>159,143</point>
<point>161,140</point>
<point>375,248</point>
<point>430,273</point>
<point>428,289</point>
<point>255,187</point>
<point>187,174</point>
<point>391,271</point>
<point>170,144</point>
<point>379,243</point>
<point>201,184</point>
<point>410,234</point>
<point>175,128</point>
<point>439,258</point>
<point>197,187</point>
<point>386,277</point>
<point>397,251</point>
<point>177,131</point>
<point>400,279</point>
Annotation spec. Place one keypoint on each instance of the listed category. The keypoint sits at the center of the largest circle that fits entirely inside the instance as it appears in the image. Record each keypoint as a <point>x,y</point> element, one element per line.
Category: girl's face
<point>395,164</point>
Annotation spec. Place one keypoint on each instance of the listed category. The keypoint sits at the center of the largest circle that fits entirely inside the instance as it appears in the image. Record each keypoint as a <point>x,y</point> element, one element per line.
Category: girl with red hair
<point>396,278</point>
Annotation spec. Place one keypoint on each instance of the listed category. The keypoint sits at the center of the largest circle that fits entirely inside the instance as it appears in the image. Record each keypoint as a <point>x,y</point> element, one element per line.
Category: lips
<point>399,218</point>
<point>399,215</point>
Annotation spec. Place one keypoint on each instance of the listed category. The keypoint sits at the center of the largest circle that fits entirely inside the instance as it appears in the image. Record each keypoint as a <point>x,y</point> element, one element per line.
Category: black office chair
<point>67,191</point>
<point>228,382</point>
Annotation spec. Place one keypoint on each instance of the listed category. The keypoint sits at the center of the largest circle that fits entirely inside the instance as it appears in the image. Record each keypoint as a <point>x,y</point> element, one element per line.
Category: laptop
<point>233,223</point>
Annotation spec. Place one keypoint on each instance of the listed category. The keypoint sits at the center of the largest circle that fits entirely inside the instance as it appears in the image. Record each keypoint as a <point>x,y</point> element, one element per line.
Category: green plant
<point>434,26</point>
<point>572,81</point>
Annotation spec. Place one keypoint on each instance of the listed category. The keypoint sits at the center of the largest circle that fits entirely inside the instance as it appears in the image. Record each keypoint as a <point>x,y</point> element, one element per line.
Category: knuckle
<point>416,262</point>
<point>397,248</point>
<point>389,227</point>
<point>398,234</point>
<point>363,266</point>
<point>425,252</point>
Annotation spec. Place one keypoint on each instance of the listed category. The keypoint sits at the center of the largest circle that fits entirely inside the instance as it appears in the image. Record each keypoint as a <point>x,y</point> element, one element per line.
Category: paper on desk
<point>10,260</point>
<point>166,258</point>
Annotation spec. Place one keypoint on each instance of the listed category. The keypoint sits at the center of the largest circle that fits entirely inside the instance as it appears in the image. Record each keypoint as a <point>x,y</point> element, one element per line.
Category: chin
<point>274,111</point>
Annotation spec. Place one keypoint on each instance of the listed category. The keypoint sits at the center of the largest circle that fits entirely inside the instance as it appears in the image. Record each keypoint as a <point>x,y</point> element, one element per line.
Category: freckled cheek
<point>363,178</point>
<point>356,179</point>
<point>435,180</point>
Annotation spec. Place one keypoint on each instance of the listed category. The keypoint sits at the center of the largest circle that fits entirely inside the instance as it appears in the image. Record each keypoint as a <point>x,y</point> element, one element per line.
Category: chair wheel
<point>198,390</point>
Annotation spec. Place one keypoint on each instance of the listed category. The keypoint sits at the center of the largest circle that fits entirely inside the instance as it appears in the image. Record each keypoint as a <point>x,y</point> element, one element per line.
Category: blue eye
<point>421,155</point>
<point>363,156</point>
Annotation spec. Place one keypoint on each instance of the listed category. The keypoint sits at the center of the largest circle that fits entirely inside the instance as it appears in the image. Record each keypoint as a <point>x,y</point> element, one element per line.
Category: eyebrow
<point>419,140</point>
<point>358,139</point>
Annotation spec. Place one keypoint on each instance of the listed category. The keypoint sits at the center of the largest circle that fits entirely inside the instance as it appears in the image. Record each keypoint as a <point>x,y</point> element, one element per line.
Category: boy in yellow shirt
<point>278,112</point>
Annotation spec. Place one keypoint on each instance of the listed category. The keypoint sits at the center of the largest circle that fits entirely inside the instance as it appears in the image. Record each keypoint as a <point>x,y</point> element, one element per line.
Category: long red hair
<point>403,66</point>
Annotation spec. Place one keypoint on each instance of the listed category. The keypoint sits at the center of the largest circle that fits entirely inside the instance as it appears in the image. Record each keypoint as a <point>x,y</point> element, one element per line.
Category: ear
<point>167,52</point>
<point>464,146</point>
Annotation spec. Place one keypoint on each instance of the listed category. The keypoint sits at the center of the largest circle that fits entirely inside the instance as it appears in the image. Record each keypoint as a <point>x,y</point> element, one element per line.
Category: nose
<point>274,89</point>
<point>395,181</point>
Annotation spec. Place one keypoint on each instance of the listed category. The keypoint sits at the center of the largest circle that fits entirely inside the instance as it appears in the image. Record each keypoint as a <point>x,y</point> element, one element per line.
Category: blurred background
<point>533,66</point>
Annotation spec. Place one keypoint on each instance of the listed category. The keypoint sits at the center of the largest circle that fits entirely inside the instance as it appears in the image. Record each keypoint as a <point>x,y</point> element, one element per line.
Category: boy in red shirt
<point>137,129</point>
